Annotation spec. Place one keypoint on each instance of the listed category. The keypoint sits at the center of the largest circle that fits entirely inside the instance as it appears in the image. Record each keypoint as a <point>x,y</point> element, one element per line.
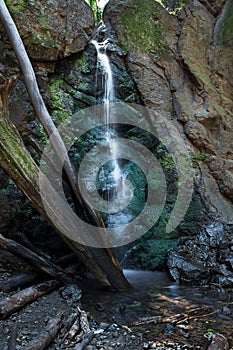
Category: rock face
<point>50,31</point>
<point>53,29</point>
<point>182,66</point>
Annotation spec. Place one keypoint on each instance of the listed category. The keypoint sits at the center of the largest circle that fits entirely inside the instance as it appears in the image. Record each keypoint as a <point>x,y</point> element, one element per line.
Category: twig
<point>174,318</point>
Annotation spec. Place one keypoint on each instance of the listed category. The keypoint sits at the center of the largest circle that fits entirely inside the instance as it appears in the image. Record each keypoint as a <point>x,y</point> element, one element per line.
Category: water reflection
<point>154,293</point>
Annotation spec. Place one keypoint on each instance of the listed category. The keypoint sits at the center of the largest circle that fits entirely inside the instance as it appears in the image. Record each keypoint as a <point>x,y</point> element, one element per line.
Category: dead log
<point>23,239</point>
<point>22,280</point>
<point>10,262</point>
<point>37,261</point>
<point>87,338</point>
<point>84,323</point>
<point>66,259</point>
<point>46,337</point>
<point>17,301</point>
<point>67,326</point>
<point>74,330</point>
<point>12,339</point>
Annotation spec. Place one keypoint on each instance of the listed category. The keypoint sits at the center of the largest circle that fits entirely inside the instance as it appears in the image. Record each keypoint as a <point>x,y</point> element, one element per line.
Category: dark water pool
<point>154,293</point>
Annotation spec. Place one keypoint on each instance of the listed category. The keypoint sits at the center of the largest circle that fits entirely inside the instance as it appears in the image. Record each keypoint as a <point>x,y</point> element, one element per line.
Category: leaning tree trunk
<point>102,262</point>
<point>19,165</point>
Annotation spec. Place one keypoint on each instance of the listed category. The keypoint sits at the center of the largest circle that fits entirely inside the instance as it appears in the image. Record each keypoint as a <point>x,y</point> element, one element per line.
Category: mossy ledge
<point>142,29</point>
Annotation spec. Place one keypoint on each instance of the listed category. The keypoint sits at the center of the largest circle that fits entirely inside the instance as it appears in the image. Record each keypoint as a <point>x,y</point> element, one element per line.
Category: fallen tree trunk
<point>22,280</point>
<point>18,164</point>
<point>46,337</point>
<point>17,301</point>
<point>35,260</point>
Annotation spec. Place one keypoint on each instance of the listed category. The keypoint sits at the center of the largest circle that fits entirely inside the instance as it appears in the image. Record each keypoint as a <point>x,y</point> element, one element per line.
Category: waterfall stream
<point>116,178</point>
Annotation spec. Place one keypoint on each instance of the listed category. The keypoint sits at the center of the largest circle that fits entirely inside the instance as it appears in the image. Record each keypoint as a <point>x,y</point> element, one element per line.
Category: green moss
<point>228,28</point>
<point>15,6</point>
<point>195,158</point>
<point>60,101</point>
<point>44,22</point>
<point>199,72</point>
<point>142,30</point>
<point>152,255</point>
<point>42,39</point>
<point>82,63</point>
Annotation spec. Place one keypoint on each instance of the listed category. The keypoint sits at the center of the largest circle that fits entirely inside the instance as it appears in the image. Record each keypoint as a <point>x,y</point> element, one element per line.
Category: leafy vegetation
<point>15,6</point>
<point>96,10</point>
<point>174,5</point>
<point>195,158</point>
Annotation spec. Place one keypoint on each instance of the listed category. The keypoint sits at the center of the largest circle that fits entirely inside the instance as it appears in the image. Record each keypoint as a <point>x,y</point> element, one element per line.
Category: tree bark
<point>46,337</point>
<point>18,164</point>
<point>35,260</point>
<point>21,280</point>
<point>17,301</point>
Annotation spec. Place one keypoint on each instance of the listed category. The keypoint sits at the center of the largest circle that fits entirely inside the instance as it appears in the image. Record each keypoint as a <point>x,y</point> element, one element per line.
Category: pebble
<point>103,325</point>
<point>226,311</point>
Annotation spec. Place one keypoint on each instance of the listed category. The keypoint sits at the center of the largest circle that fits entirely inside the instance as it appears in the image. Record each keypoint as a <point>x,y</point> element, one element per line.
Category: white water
<point>119,180</point>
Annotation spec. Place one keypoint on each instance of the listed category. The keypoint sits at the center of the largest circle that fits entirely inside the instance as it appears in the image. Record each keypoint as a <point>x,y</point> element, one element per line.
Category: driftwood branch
<point>87,338</point>
<point>38,262</point>
<point>46,337</point>
<point>17,301</point>
<point>175,319</point>
<point>21,280</point>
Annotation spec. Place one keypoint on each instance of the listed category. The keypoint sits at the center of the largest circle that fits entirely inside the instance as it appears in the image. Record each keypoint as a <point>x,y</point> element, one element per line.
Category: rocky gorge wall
<point>180,66</point>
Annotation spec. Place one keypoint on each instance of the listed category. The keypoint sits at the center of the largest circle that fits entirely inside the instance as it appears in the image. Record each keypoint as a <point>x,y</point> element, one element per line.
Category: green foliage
<point>15,6</point>
<point>44,22</point>
<point>195,158</point>
<point>42,39</point>
<point>82,63</point>
<point>61,102</point>
<point>209,334</point>
<point>96,10</point>
<point>165,158</point>
<point>142,29</point>
<point>43,138</point>
<point>173,5</point>
<point>167,162</point>
<point>152,254</point>
<point>135,304</point>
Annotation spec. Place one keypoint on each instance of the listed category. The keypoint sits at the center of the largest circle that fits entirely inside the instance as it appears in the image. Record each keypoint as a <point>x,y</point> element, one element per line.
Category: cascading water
<point>119,182</point>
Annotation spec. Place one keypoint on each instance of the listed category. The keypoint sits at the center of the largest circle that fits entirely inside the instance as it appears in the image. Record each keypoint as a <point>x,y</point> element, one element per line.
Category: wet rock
<point>71,294</point>
<point>204,259</point>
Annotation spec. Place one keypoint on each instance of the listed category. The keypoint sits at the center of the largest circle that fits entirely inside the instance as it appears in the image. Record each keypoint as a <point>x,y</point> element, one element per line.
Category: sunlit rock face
<point>182,66</point>
<point>53,29</point>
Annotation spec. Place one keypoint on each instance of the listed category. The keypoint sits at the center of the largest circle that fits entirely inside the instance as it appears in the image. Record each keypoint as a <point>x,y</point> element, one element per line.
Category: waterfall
<point>118,178</point>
